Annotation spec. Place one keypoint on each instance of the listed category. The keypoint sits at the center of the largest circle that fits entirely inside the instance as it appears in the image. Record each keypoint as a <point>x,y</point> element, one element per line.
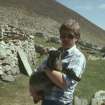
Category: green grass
<point>42,41</point>
<point>93,79</point>
<point>15,93</point>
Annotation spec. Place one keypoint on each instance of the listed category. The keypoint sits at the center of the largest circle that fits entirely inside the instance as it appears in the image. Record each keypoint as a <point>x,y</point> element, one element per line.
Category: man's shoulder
<point>78,53</point>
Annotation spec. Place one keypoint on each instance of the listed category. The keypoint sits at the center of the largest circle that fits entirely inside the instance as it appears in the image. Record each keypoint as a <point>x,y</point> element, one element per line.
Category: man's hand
<point>56,77</point>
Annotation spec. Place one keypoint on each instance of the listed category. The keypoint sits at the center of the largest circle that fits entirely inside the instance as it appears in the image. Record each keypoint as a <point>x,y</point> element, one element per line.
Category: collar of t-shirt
<point>68,51</point>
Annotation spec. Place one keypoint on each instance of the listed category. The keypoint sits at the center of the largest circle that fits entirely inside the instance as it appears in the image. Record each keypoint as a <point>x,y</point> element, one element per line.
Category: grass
<point>92,80</point>
<point>17,93</point>
<point>42,41</point>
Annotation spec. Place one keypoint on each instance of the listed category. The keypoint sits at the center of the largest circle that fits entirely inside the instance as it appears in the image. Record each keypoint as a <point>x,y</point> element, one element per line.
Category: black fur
<point>39,80</point>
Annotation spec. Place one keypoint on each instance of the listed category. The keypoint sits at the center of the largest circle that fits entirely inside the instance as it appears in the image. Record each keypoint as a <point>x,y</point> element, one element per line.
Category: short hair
<point>72,27</point>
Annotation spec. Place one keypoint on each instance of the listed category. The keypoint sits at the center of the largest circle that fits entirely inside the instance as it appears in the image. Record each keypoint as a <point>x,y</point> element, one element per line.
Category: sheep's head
<point>53,59</point>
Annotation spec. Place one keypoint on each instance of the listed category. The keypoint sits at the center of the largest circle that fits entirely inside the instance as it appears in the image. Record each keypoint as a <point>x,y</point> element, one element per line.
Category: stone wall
<point>11,38</point>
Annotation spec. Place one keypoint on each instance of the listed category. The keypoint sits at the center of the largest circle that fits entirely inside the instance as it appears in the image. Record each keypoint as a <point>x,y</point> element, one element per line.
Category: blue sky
<point>93,10</point>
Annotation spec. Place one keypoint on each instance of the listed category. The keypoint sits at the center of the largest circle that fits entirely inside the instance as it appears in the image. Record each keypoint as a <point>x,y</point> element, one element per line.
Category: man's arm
<point>56,77</point>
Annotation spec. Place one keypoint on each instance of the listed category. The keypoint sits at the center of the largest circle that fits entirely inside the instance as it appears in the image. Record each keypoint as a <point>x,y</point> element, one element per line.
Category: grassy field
<point>93,79</point>
<point>17,93</point>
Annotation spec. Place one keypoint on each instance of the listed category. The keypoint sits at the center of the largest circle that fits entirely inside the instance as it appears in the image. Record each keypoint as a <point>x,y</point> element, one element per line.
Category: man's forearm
<point>56,77</point>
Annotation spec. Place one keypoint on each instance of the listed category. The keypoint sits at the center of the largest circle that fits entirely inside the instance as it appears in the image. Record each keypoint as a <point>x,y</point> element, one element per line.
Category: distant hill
<point>46,16</point>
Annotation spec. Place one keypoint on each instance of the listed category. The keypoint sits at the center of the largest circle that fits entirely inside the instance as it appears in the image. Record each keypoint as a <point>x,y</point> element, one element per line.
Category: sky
<point>93,10</point>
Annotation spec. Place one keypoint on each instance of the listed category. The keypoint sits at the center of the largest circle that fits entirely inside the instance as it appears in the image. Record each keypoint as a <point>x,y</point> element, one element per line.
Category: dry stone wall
<point>11,38</point>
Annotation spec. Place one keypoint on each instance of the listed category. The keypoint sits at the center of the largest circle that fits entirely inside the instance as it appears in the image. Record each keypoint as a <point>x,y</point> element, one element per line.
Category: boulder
<point>100,94</point>
<point>99,98</point>
<point>80,101</point>
<point>3,52</point>
<point>40,34</point>
<point>40,49</point>
<point>24,60</point>
<point>7,78</point>
<point>53,39</point>
<point>1,72</point>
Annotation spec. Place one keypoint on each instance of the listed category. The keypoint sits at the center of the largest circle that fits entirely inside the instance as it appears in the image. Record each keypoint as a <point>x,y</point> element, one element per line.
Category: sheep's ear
<point>49,52</point>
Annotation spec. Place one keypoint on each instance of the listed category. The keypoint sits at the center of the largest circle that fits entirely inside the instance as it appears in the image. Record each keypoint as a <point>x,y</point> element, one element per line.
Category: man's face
<point>67,40</point>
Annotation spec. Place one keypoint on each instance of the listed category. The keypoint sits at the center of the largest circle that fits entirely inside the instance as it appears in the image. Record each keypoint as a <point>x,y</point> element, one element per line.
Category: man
<point>73,60</point>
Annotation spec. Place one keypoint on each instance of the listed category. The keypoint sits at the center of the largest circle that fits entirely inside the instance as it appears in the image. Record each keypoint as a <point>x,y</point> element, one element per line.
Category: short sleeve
<point>69,81</point>
<point>77,64</point>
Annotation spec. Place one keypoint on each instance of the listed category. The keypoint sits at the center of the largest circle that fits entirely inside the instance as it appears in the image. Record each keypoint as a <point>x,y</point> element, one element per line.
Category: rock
<point>7,69</point>
<point>92,57</point>
<point>98,101</point>
<point>93,52</point>
<point>40,49</point>
<point>1,72</point>
<point>31,36</point>
<point>9,73</point>
<point>54,39</point>
<point>80,101</point>
<point>103,55</point>
<point>40,34</point>
<point>14,71</point>
<point>87,45</point>
<point>99,98</point>
<point>23,58</point>
<point>9,31</point>
<point>7,78</point>
<point>103,49</point>
<point>3,52</point>
<point>100,94</point>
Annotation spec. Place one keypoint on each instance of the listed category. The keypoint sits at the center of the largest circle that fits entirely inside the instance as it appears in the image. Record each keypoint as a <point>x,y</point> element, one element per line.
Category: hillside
<point>17,93</point>
<point>46,16</point>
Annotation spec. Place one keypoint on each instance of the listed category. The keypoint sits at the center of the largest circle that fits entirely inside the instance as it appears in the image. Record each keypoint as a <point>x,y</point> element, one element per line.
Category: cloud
<point>102,6</point>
